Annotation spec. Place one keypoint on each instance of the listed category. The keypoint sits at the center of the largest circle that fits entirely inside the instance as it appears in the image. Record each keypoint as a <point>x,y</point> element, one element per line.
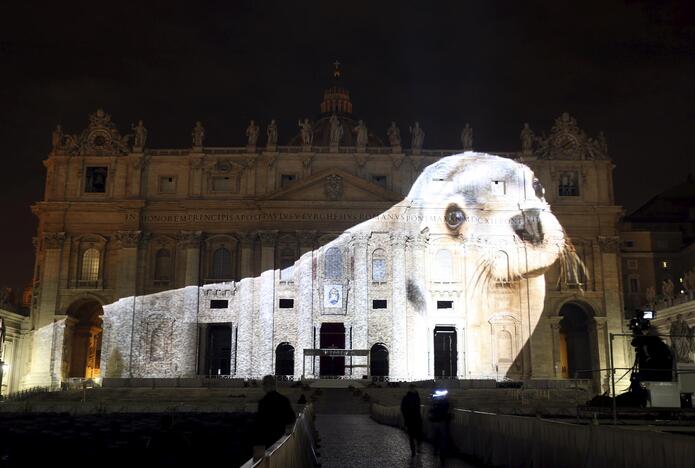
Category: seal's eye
<point>538,188</point>
<point>454,217</point>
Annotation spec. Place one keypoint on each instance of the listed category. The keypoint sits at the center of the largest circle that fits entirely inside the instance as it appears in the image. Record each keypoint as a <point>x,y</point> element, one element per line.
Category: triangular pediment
<point>334,185</point>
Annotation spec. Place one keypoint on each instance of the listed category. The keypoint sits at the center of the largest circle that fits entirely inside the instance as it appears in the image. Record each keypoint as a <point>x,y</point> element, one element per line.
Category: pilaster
<point>399,360</point>
<point>128,242</point>
<point>360,328</point>
<point>189,241</point>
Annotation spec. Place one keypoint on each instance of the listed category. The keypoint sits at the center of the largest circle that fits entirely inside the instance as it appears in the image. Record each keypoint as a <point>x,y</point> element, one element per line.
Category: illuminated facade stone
<point>231,220</point>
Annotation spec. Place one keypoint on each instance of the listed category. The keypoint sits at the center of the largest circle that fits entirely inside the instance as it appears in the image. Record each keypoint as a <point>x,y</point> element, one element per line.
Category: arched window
<point>158,342</point>
<point>500,268</point>
<point>504,346</point>
<point>284,359</point>
<point>162,265</point>
<point>287,259</point>
<point>333,263</point>
<point>443,266</point>
<point>90,265</point>
<point>379,360</point>
<point>222,264</point>
<point>379,271</point>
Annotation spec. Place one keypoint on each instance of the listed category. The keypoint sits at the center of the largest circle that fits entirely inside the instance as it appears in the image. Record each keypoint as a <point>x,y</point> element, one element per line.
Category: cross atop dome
<point>337,73</point>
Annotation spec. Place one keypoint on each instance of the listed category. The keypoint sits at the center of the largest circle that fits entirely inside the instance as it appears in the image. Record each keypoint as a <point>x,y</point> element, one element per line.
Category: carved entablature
<point>53,240</point>
<point>569,142</point>
<point>128,239</point>
<point>190,239</point>
<point>100,138</point>
<point>609,244</point>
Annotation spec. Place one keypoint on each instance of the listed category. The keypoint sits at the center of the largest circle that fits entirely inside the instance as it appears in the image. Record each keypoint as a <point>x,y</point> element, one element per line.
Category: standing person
<point>274,414</point>
<point>439,417</point>
<point>410,408</point>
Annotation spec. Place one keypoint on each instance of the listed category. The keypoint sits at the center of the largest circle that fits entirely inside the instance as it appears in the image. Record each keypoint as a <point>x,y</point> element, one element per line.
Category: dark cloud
<point>622,67</point>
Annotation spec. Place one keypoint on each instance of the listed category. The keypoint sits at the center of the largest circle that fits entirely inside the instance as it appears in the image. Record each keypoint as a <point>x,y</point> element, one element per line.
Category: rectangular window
<point>569,184</point>
<point>95,179</point>
<point>379,180</point>
<point>628,244</point>
<point>167,184</point>
<point>286,303</point>
<point>445,304</point>
<point>287,179</point>
<point>634,285</point>
<point>219,303</point>
<point>379,304</point>
<point>222,184</point>
<point>498,187</point>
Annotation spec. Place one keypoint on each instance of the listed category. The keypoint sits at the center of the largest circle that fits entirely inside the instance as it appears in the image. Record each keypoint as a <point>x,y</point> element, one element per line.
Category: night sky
<point>626,68</point>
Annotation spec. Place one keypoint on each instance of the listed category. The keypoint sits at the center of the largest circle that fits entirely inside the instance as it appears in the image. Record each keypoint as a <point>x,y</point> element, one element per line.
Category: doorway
<point>284,360</point>
<point>219,350</point>
<point>332,336</point>
<point>82,342</point>
<point>575,345</point>
<point>445,355</point>
<point>379,361</point>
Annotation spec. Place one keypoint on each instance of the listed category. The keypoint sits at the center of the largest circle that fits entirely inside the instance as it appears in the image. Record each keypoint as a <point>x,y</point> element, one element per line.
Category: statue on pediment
<point>252,132</point>
<point>140,133</point>
<point>57,138</point>
<point>272,133</point>
<point>650,295</point>
<point>417,136</point>
<point>394,135</point>
<point>527,138</point>
<point>198,135</point>
<point>306,131</point>
<point>362,134</point>
<point>467,138</point>
<point>667,289</point>
<point>336,130</point>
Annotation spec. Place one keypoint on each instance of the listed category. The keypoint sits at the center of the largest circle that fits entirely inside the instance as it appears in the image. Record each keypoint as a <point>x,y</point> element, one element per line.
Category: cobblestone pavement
<point>356,441</point>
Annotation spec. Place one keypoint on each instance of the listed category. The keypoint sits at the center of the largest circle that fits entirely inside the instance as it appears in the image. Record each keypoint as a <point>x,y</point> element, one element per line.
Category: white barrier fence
<point>520,441</point>
<point>294,450</point>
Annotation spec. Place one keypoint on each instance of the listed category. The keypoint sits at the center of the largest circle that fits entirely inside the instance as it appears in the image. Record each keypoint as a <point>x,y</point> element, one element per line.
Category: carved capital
<point>398,239</point>
<point>420,240</point>
<point>360,240</point>
<point>190,239</point>
<point>127,239</point>
<point>246,239</point>
<point>268,238</point>
<point>306,238</point>
<point>53,240</point>
<point>609,244</point>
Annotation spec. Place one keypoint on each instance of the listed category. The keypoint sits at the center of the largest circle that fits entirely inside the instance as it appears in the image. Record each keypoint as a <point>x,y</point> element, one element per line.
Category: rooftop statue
<point>467,138</point>
<point>527,138</point>
<point>272,133</point>
<point>140,135</point>
<point>362,134</point>
<point>252,132</point>
<point>394,135</point>
<point>336,134</point>
<point>306,131</point>
<point>417,136</point>
<point>198,134</point>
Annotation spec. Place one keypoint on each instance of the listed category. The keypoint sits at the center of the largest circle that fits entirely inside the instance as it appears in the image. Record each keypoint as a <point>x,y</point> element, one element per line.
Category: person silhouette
<point>274,414</point>
<point>410,409</point>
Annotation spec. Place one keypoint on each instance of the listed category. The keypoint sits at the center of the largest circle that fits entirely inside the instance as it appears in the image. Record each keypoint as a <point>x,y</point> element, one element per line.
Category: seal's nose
<point>528,227</point>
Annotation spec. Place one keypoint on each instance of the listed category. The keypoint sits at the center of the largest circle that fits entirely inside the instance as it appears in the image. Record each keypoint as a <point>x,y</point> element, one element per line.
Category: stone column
<point>602,379</point>
<point>41,371</point>
<point>268,239</point>
<point>246,239</point>
<point>202,348</point>
<point>245,328</point>
<point>306,241</point>
<point>360,327</point>
<point>417,317</point>
<point>398,359</point>
<point>128,242</point>
<point>189,241</point>
<point>305,324</point>
<point>613,303</point>
<point>554,323</point>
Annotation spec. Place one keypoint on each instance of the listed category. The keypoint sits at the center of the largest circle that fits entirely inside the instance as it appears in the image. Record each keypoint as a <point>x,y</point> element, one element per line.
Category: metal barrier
<point>26,394</point>
<point>505,440</point>
<point>294,450</point>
